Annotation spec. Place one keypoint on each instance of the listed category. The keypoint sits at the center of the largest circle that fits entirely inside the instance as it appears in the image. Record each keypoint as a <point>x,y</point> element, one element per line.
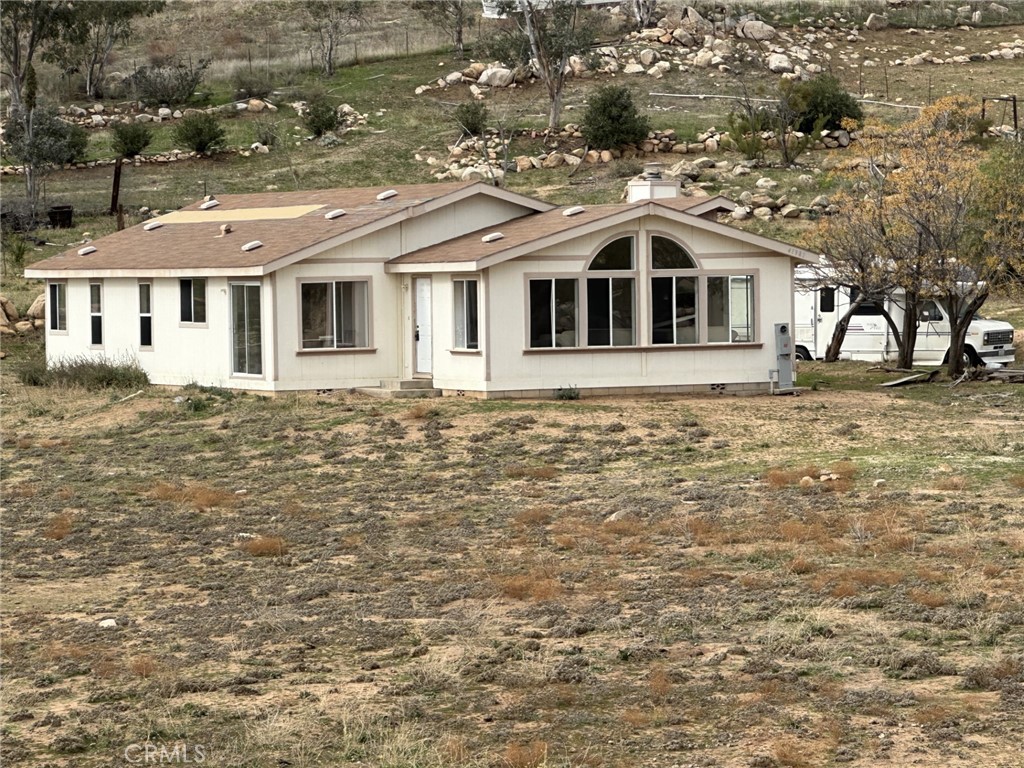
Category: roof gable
<point>520,237</point>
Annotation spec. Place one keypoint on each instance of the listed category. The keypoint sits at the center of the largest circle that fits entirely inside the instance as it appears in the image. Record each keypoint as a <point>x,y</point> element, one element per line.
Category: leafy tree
<point>40,139</point>
<point>785,118</point>
<point>612,119</point>
<point>450,16</point>
<point>329,22</point>
<point>26,28</point>
<point>200,132</point>
<point>128,140</point>
<point>543,34</point>
<point>824,99</point>
<point>940,224</point>
<point>99,25</point>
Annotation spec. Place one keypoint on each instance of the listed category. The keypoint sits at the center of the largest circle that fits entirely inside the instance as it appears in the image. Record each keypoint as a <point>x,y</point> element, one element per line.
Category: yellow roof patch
<point>216,215</point>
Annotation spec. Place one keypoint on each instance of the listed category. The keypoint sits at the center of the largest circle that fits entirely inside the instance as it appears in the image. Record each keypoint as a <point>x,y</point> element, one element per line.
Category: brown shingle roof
<point>470,247</point>
<point>185,246</point>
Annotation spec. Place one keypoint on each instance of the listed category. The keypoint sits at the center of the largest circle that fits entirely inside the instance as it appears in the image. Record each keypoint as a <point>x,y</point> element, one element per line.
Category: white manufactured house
<point>463,288</point>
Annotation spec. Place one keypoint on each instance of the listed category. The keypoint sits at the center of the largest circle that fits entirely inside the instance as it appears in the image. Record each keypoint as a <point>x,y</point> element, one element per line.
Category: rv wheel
<point>971,358</point>
<point>802,354</point>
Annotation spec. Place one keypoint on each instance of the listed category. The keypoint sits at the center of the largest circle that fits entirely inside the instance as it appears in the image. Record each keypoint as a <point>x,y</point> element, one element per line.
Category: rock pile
<point>10,321</point>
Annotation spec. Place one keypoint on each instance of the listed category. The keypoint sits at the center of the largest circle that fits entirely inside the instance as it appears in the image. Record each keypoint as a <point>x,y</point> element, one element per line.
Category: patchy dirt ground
<point>338,581</point>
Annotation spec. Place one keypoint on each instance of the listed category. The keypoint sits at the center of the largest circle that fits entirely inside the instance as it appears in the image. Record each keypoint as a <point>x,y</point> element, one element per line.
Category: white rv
<point>817,310</point>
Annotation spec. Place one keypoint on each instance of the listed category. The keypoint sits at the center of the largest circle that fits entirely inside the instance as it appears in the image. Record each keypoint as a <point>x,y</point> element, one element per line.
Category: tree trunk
<point>958,325</point>
<point>116,191</point>
<point>909,334</point>
<point>460,46</point>
<point>839,334</point>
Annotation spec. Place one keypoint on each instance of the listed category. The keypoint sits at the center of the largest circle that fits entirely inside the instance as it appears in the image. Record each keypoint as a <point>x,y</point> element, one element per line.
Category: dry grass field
<point>333,580</point>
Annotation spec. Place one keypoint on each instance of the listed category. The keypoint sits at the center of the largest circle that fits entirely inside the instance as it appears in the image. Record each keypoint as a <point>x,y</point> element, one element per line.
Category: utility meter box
<point>784,353</point>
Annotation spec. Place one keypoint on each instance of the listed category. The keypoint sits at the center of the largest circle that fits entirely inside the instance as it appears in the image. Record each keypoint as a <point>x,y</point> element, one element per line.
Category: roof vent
<point>252,246</point>
<point>337,213</point>
<point>152,225</point>
<point>653,170</point>
<point>225,229</point>
<point>387,194</point>
<point>492,237</point>
<point>574,210</point>
<point>211,203</point>
<point>87,250</point>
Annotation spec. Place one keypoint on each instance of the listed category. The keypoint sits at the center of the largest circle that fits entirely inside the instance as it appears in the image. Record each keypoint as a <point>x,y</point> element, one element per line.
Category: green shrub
<point>825,98</point>
<point>265,132</point>
<point>252,83</point>
<point>130,139</point>
<point>169,83</point>
<point>321,114</point>
<point>54,141</point>
<point>567,393</point>
<point>84,372</point>
<point>200,132</point>
<point>472,117</point>
<point>612,119</point>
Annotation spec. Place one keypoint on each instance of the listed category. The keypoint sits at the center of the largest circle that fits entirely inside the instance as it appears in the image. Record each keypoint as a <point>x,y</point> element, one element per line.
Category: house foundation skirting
<point>736,390</point>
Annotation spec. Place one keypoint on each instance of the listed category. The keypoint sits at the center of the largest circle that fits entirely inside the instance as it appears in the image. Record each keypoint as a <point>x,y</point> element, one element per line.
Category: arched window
<point>618,254</point>
<point>668,254</point>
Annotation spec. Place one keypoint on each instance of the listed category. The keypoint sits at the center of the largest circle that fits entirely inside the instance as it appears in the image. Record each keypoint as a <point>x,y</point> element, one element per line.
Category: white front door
<point>422,322</point>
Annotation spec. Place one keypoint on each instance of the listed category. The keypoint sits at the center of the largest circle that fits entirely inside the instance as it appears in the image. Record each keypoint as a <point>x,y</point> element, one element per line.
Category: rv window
<point>827,300</point>
<point>867,308</point>
<point>930,313</point>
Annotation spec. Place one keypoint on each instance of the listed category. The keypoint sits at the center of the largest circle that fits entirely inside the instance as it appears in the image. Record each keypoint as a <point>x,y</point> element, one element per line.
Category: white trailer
<point>818,308</point>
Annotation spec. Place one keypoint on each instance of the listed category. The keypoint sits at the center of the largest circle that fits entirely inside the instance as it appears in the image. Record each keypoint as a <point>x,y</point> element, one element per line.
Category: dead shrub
<point>541,515</point>
<point>845,469</point>
<point>536,585</point>
<point>636,718</point>
<point>1016,481</point>
<point>956,483</point>
<point>896,542</point>
<point>58,527</point>
<point>264,546</point>
<point>801,565</point>
<point>797,531</point>
<point>932,714</point>
<point>701,531</point>
<point>143,666</point>
<point>927,598</point>
<point>23,443</point>
<point>530,755</point>
<point>626,526</point>
<point>453,750</point>
<point>525,472</point>
<point>844,589</point>
<point>871,577</point>
<point>931,575</point>
<point>993,570</point>
<point>422,411</point>
<point>201,497</point>
<point>780,477</point>
<point>791,753</point>
<point>21,491</point>
<point>660,685</point>
<point>564,541</point>
<point>695,577</point>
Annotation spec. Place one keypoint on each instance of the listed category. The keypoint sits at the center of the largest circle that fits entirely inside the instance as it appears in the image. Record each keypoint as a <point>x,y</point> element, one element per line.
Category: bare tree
<point>543,34</point>
<point>450,16</point>
<point>329,22</point>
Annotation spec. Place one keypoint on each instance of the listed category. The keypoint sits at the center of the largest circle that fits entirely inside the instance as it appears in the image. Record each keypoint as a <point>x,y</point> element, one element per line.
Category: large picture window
<point>467,323</point>
<point>553,313</point>
<point>335,315</point>
<point>58,308</point>
<point>193,299</point>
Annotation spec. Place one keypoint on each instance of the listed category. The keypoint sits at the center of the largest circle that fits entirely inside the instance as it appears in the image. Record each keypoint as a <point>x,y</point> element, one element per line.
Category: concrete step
<point>406,384</point>
<point>395,394</point>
